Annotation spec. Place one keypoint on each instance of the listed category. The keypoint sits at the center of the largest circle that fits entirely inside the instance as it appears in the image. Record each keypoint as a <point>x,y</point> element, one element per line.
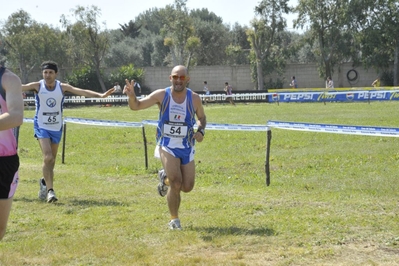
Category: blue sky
<point>115,12</point>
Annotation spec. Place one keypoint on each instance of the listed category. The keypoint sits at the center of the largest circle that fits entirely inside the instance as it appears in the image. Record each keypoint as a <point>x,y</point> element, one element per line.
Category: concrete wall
<point>307,76</point>
<point>240,77</point>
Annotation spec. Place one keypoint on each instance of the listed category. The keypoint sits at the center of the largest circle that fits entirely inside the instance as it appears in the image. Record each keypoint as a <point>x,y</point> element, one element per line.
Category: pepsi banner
<point>335,96</point>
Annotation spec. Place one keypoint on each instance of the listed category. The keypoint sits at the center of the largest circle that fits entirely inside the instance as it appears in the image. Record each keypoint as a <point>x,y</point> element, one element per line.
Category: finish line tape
<point>338,129</point>
<point>326,128</point>
<point>102,122</point>
<point>92,122</point>
<point>239,127</point>
<point>209,126</point>
<point>214,126</point>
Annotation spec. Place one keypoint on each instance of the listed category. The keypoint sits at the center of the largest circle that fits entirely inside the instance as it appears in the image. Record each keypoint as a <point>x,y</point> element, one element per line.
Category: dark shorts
<point>8,176</point>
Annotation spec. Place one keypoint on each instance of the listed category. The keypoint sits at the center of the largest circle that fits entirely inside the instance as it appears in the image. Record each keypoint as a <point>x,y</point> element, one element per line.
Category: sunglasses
<point>176,77</point>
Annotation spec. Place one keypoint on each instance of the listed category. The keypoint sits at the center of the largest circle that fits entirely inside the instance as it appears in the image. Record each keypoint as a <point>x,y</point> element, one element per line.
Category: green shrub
<point>127,72</point>
<point>278,84</point>
<point>84,78</point>
<point>387,78</point>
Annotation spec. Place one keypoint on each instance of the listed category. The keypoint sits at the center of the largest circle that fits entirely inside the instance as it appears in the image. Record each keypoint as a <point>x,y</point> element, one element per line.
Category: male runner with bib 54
<point>175,135</point>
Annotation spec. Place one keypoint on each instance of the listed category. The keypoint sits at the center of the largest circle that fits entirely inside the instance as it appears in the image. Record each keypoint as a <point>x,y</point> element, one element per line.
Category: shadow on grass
<point>232,230</point>
<point>25,199</point>
<point>97,203</point>
<point>76,202</point>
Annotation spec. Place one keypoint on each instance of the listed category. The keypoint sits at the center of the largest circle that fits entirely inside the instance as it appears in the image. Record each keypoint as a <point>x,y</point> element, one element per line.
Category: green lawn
<point>333,199</point>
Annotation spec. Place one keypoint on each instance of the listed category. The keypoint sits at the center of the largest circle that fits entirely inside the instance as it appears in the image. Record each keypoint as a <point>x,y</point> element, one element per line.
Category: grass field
<point>333,199</point>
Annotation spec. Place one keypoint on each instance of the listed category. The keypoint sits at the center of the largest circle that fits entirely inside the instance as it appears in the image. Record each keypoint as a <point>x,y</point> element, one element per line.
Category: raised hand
<point>128,89</point>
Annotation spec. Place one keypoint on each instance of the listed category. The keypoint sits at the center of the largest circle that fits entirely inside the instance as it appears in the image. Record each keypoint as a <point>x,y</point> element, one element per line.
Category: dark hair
<point>205,82</point>
<point>50,65</point>
<point>226,83</point>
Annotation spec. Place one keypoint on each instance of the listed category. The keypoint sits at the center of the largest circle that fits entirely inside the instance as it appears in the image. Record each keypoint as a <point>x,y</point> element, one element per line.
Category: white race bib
<point>50,120</point>
<point>175,129</point>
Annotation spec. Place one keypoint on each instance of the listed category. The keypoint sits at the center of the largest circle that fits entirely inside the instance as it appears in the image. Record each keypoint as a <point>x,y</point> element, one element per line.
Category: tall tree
<point>301,47</point>
<point>131,29</point>
<point>151,20</point>
<point>206,37</point>
<point>329,26</point>
<point>28,43</point>
<point>125,52</point>
<point>214,37</point>
<point>238,50</point>
<point>150,42</point>
<point>264,38</point>
<point>179,33</point>
<point>378,23</point>
<point>90,41</point>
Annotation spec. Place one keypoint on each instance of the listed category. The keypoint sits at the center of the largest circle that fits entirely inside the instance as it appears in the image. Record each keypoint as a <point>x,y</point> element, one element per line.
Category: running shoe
<point>162,188</point>
<point>43,189</point>
<point>175,224</point>
<point>51,196</point>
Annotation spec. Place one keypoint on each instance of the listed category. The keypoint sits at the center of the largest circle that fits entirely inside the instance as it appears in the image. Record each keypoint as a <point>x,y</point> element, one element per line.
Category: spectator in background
<point>26,105</point>
<point>376,83</point>
<point>117,87</point>
<point>329,83</point>
<point>294,83</point>
<point>207,93</point>
<point>229,92</point>
<point>137,87</point>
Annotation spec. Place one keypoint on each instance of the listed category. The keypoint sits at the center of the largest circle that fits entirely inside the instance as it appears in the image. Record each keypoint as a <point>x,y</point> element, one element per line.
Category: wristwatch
<point>202,131</point>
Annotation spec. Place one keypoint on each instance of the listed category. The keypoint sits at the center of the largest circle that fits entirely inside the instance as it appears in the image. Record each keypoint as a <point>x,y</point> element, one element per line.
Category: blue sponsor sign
<point>334,96</point>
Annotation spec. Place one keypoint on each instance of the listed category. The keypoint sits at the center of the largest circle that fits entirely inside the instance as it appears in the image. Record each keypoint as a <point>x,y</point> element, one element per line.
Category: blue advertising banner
<point>335,96</point>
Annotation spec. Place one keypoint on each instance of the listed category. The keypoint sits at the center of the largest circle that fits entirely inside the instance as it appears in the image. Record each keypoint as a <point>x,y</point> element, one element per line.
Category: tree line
<point>363,32</point>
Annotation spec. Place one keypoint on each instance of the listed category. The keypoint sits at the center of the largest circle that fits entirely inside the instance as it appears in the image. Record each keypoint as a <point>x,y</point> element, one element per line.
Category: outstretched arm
<point>33,86</point>
<point>86,93</point>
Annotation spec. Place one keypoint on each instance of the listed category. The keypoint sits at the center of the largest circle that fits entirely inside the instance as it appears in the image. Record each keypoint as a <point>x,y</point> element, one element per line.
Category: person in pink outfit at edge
<point>11,117</point>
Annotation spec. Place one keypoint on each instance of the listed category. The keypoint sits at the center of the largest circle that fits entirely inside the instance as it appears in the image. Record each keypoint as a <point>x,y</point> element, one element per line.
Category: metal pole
<point>145,148</point>
<point>267,163</point>
<point>63,143</point>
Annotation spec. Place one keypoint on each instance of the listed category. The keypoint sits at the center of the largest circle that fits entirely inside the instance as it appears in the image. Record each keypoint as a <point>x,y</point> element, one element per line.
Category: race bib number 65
<point>50,118</point>
<point>175,129</point>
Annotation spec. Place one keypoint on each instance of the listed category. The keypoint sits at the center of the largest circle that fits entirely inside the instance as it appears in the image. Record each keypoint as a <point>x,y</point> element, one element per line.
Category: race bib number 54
<point>175,129</point>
